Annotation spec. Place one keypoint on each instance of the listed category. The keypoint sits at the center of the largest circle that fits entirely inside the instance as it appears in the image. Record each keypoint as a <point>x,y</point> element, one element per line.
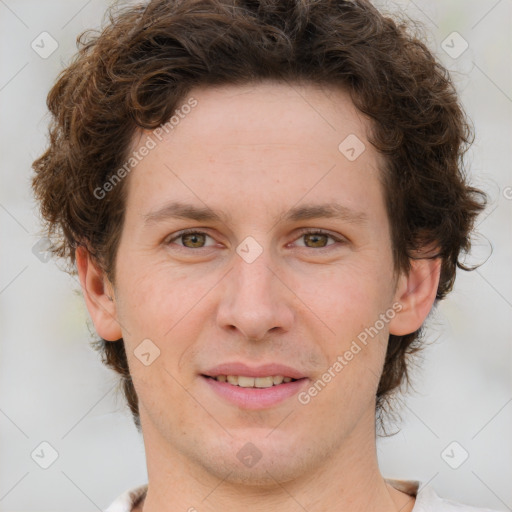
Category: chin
<point>268,473</point>
<point>258,461</point>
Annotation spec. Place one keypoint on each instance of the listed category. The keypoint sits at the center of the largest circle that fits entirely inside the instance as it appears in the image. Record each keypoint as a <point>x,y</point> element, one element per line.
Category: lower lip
<point>255,398</point>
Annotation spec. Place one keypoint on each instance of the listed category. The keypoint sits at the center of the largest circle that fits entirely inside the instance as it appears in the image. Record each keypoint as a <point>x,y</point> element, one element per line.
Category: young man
<point>263,201</point>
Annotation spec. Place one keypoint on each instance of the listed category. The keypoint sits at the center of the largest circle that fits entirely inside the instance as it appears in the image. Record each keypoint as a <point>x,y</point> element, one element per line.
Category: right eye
<point>190,236</point>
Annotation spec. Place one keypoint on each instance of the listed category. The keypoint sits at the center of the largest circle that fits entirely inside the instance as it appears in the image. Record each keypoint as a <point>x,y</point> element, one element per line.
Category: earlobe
<point>416,292</point>
<point>98,295</point>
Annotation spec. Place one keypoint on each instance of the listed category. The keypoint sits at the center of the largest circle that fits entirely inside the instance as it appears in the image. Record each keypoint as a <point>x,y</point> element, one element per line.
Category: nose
<point>255,299</point>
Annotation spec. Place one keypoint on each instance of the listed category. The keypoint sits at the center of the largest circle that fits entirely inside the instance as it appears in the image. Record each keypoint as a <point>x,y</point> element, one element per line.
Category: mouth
<point>249,387</point>
<point>252,388</point>
<point>245,381</point>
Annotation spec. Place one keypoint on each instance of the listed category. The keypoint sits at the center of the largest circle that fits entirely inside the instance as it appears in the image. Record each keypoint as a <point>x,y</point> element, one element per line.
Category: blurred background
<point>56,398</point>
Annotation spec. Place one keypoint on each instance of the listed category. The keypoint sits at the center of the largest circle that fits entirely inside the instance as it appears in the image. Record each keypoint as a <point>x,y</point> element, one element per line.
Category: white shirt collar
<point>426,498</point>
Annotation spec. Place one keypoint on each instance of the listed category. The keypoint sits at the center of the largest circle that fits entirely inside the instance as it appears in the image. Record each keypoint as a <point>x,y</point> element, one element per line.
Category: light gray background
<point>53,387</point>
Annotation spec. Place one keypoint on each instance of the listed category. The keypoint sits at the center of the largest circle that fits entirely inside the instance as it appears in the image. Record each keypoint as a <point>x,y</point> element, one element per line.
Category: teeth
<point>233,379</point>
<point>253,382</point>
<point>263,382</point>
<point>246,382</point>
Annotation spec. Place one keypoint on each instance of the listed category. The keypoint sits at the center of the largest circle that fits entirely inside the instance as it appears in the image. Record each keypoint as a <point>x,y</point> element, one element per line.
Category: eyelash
<point>302,233</point>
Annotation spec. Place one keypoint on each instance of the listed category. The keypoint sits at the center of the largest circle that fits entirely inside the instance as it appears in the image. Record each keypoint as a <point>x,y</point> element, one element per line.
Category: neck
<point>348,479</point>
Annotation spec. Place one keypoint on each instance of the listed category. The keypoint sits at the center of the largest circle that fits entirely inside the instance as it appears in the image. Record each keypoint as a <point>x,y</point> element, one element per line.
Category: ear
<point>99,296</point>
<point>416,291</point>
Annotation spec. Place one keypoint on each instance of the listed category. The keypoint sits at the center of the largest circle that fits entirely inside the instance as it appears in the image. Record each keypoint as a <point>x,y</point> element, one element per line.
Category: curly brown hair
<point>133,74</point>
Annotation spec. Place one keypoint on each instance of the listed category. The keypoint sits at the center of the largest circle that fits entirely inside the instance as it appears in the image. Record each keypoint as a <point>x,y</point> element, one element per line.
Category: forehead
<point>267,144</point>
<point>270,112</point>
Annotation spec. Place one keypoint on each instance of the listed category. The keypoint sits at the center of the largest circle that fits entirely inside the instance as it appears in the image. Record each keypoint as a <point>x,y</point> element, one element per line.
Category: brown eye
<point>195,239</point>
<point>316,239</point>
<point>190,239</point>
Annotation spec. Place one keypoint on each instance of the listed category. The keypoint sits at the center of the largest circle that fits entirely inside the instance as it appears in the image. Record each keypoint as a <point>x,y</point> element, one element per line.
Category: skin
<point>254,152</point>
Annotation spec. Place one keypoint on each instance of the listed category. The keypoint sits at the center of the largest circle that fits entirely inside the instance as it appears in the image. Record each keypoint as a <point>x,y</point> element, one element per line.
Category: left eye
<point>318,238</point>
<point>196,239</point>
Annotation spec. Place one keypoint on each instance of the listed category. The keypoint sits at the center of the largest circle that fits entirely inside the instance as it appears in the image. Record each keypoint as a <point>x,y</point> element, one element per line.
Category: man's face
<point>252,288</point>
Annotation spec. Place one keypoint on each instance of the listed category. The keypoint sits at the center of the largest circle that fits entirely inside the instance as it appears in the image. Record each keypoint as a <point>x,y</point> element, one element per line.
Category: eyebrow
<point>298,213</point>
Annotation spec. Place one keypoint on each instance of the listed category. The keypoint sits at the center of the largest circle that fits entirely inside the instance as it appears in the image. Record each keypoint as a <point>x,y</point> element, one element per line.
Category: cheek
<point>354,349</point>
<point>163,305</point>
<point>152,296</point>
<point>348,302</point>
<point>347,295</point>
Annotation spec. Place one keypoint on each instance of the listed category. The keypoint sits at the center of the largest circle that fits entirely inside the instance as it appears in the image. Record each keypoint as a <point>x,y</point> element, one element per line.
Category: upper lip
<point>264,370</point>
